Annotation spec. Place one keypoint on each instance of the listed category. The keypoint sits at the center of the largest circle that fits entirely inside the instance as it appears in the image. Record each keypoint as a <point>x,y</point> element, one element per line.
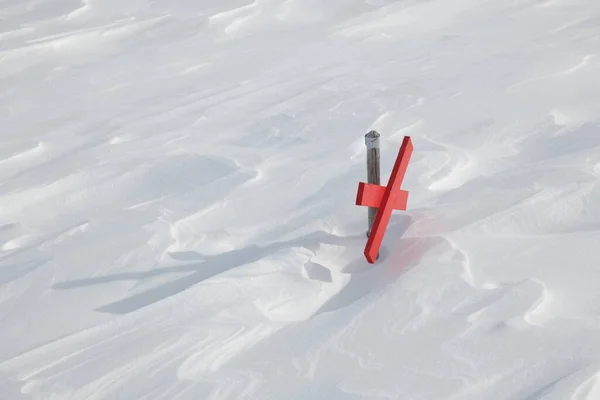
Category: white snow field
<point>177,187</point>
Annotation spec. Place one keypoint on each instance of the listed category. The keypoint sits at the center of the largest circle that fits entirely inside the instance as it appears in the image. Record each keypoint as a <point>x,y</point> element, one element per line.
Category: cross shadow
<point>201,268</point>
<point>365,277</point>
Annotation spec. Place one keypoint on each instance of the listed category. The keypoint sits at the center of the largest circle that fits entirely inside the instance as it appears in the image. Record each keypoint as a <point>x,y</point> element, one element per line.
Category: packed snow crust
<point>177,186</point>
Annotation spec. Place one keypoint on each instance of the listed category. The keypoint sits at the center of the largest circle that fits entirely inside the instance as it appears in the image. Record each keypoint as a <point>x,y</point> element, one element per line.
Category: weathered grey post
<point>372,142</point>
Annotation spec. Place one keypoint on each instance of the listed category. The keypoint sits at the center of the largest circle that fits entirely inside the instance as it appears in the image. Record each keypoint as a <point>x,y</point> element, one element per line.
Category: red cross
<point>386,199</point>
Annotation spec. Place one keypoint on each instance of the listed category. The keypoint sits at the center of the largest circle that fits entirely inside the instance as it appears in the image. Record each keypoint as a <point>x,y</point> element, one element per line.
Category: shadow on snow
<point>365,278</point>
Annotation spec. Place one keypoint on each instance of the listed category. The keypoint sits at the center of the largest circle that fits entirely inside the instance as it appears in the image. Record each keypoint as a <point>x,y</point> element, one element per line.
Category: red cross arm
<point>384,212</point>
<point>370,195</point>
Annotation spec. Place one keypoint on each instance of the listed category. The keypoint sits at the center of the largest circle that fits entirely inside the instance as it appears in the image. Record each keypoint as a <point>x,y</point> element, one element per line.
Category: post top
<point>372,140</point>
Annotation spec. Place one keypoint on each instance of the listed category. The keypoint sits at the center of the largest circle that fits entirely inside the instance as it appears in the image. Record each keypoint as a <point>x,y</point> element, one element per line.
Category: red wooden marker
<point>386,199</point>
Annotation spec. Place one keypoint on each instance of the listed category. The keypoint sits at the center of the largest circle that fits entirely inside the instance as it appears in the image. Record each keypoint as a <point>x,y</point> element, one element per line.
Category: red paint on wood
<point>386,199</point>
<point>370,195</point>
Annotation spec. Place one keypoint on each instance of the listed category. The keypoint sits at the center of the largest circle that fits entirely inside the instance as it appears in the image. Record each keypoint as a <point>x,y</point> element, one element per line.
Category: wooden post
<point>372,142</point>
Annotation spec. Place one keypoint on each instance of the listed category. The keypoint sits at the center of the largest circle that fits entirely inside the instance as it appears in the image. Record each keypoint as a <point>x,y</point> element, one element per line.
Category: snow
<point>177,185</point>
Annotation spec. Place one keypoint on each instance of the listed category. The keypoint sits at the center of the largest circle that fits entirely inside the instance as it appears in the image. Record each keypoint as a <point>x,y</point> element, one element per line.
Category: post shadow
<point>202,269</point>
<point>365,277</point>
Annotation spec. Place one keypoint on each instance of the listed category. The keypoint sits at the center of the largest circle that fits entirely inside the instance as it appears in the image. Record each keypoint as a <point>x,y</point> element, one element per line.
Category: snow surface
<point>177,185</point>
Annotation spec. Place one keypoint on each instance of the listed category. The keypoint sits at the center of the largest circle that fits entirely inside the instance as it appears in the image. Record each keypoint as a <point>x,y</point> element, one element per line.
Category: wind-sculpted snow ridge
<point>177,185</point>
